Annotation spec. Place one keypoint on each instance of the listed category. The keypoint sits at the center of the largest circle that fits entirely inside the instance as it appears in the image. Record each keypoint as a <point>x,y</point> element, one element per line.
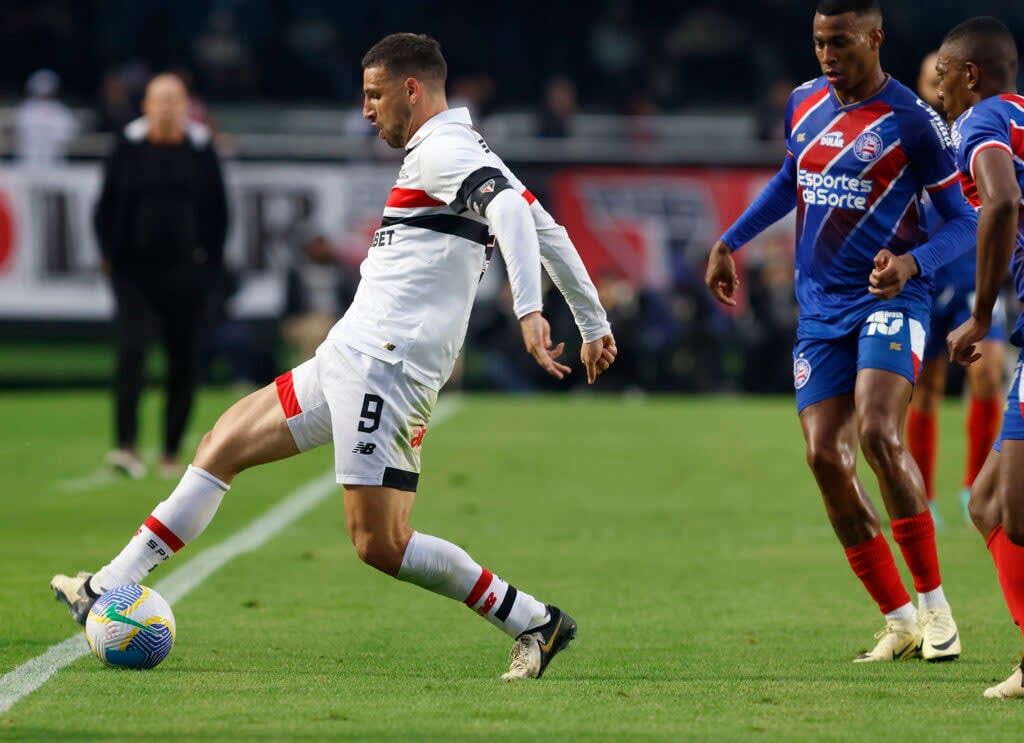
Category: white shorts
<point>375,414</point>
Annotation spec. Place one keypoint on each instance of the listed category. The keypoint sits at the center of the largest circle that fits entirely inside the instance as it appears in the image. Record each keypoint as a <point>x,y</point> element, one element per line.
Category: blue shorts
<point>1013,415</point>
<point>888,339</point>
<point>950,309</point>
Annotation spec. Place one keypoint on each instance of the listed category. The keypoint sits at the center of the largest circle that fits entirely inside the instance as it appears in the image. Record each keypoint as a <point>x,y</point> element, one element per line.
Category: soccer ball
<point>130,626</point>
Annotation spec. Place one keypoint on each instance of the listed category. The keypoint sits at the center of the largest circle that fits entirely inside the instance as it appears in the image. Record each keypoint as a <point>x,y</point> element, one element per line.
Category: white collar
<point>450,116</point>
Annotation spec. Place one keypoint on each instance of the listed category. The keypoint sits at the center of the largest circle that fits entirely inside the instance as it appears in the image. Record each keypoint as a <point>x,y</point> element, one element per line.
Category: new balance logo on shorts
<point>364,448</point>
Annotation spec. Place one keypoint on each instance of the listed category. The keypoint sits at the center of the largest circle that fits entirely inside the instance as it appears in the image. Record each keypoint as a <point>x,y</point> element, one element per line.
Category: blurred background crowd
<point>645,127</point>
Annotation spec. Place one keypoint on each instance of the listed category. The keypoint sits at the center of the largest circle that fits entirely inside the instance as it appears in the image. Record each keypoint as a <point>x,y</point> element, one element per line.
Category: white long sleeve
<point>513,225</point>
<point>566,269</point>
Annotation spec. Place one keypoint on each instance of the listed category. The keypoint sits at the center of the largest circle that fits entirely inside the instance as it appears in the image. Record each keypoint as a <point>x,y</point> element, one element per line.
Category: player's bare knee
<point>879,442</point>
<point>983,512</point>
<point>221,450</point>
<point>381,550</point>
<point>826,459</point>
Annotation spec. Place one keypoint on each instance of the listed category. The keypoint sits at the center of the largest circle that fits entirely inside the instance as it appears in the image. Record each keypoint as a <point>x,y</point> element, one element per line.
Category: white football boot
<point>899,639</point>
<point>1012,688</point>
<point>535,647</point>
<point>940,639</point>
<point>76,593</point>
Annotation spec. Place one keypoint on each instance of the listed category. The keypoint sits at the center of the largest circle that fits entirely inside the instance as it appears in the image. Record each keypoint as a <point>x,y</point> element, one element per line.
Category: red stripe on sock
<point>921,439</point>
<point>481,585</point>
<point>1009,560</point>
<point>983,419</point>
<point>169,537</point>
<point>916,538</point>
<point>873,563</point>
<point>286,394</point>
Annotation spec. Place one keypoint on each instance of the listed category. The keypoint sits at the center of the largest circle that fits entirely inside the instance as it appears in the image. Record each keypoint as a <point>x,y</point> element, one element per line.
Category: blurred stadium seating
<point>644,127</point>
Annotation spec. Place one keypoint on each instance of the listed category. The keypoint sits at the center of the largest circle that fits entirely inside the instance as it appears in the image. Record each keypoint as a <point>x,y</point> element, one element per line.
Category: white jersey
<point>420,277</point>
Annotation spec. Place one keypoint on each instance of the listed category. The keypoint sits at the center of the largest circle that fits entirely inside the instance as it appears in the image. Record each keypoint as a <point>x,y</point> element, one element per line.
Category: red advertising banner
<point>655,227</point>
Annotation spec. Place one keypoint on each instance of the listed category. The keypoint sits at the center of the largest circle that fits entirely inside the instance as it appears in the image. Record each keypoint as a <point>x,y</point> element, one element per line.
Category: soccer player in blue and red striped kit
<point>977,69</point>
<point>861,149</point>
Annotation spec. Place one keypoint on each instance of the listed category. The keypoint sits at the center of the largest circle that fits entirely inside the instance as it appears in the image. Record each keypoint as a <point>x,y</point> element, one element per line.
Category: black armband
<point>479,189</point>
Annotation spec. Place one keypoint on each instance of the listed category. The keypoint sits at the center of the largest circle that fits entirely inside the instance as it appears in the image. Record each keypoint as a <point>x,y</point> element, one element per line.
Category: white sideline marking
<point>32,674</point>
<point>95,479</point>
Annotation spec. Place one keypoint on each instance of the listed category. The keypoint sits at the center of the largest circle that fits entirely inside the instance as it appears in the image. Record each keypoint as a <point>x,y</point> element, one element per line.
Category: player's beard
<point>395,135</point>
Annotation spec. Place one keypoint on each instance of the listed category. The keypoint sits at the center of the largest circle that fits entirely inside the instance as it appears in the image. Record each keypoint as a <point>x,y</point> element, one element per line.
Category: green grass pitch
<point>684,534</point>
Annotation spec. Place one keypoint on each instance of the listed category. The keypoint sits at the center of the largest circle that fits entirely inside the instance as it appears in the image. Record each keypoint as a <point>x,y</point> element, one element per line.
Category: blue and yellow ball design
<point>130,626</point>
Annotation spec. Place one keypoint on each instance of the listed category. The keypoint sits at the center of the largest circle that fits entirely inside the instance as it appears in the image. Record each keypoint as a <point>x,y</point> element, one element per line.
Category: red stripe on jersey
<point>808,103</point>
<point>850,124</point>
<point>1014,98</point>
<point>482,584</point>
<point>286,394</point>
<point>883,170</point>
<point>169,537</point>
<point>841,222</point>
<point>1017,139</point>
<point>530,198</point>
<point>407,198</point>
<point>970,189</point>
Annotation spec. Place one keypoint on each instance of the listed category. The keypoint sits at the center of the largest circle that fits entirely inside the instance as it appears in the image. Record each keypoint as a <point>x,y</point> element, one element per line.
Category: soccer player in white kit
<point>373,383</point>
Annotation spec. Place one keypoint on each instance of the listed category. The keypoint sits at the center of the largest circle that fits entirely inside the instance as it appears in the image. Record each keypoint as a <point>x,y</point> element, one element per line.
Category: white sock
<point>174,523</point>
<point>444,568</point>
<point>934,599</point>
<point>904,612</point>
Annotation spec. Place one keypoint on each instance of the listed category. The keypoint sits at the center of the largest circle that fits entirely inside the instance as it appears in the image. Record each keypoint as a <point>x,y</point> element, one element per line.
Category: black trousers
<point>179,311</point>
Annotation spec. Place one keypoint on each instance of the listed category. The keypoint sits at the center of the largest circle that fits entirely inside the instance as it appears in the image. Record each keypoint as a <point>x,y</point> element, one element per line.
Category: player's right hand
<point>891,273</point>
<point>721,276</point>
<point>537,338</point>
<point>598,355</point>
<point>963,342</point>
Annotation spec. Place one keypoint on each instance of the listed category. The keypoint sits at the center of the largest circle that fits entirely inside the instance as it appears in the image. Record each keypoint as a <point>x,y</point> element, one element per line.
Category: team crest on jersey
<point>832,139</point>
<point>867,147</point>
<point>801,372</point>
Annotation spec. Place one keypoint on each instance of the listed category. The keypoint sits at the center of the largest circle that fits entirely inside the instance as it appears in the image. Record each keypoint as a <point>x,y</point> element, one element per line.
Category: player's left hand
<point>963,341</point>
<point>891,273</point>
<point>537,338</point>
<point>597,356</point>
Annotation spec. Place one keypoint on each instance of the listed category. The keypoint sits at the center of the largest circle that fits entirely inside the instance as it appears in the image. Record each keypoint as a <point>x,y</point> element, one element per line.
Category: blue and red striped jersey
<point>855,174</point>
<point>995,122</point>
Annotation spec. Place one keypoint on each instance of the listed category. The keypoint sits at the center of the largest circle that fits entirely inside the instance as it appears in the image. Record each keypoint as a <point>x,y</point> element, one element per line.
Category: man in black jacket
<point>161,221</point>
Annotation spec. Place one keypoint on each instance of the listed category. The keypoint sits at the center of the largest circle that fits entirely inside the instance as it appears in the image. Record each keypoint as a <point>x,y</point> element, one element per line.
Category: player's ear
<point>876,35</point>
<point>971,75</point>
<point>412,89</point>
